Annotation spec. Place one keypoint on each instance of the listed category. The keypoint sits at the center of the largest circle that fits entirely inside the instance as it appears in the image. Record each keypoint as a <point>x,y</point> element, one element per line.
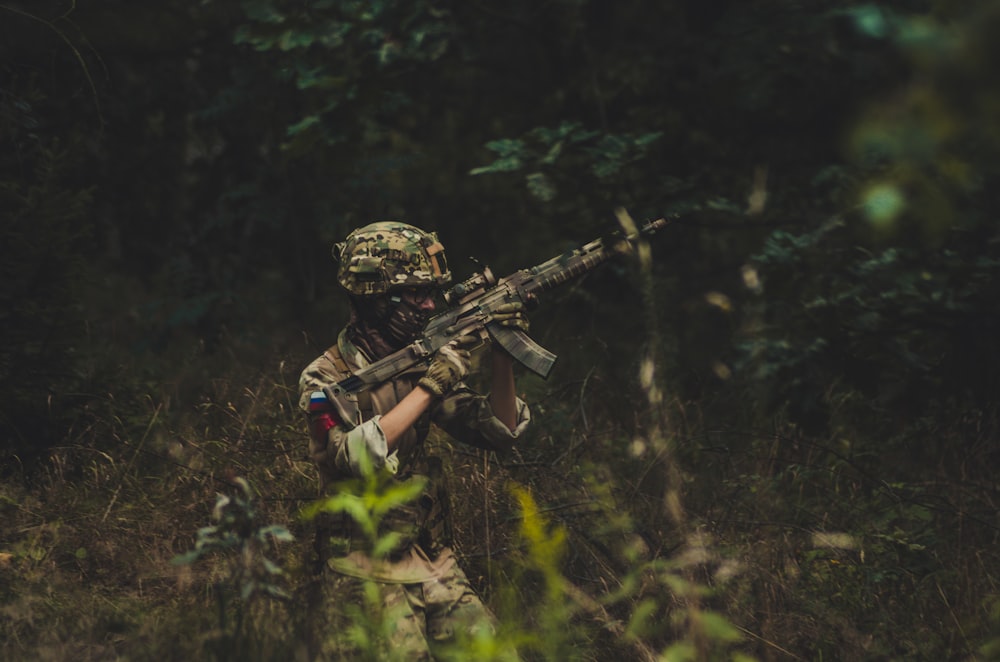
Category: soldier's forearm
<point>503,393</point>
<point>400,418</point>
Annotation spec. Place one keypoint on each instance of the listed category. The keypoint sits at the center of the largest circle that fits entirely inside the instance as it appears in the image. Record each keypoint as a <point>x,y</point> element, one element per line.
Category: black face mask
<point>404,322</point>
<point>382,325</point>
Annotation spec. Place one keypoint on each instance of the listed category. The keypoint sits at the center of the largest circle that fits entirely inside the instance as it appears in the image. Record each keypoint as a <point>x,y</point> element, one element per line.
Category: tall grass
<point>683,531</point>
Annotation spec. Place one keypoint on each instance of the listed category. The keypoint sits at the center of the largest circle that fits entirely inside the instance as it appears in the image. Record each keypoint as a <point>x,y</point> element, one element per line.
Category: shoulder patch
<point>318,401</point>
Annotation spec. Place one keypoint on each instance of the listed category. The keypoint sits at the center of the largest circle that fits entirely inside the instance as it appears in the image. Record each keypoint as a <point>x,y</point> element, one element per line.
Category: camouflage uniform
<point>428,598</point>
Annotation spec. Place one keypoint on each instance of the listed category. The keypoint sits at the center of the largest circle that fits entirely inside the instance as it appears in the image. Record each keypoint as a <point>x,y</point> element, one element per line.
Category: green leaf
<point>508,164</point>
<point>640,617</point>
<point>248,589</point>
<point>506,146</point>
<point>682,651</point>
<point>560,133</point>
<point>292,39</point>
<point>262,11</point>
<point>397,494</point>
<point>278,532</point>
<point>553,153</point>
<point>386,544</point>
<point>276,591</point>
<point>541,186</point>
<point>302,125</point>
<point>271,567</point>
<point>717,627</point>
<point>870,20</point>
<point>510,157</point>
<point>207,532</point>
<point>187,558</point>
<point>648,138</point>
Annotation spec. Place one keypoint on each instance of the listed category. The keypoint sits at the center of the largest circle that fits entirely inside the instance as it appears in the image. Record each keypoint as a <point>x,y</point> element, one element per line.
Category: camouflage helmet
<point>389,255</point>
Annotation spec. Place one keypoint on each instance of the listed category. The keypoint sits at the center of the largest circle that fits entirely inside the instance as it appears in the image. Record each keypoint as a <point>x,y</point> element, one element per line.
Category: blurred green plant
<point>680,599</point>
<point>328,49</point>
<point>548,153</point>
<point>368,501</point>
<point>550,633</point>
<point>894,295</point>
<point>239,536</point>
<point>990,649</point>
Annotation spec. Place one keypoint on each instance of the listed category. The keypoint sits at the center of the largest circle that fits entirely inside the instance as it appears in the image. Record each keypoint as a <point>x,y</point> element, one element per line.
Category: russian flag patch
<point>318,402</point>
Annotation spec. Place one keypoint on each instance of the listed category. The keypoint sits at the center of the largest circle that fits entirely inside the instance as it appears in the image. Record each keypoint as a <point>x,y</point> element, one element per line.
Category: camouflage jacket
<point>463,414</point>
<point>336,450</point>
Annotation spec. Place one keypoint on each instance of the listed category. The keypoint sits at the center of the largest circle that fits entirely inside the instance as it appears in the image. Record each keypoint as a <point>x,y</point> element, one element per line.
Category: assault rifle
<point>473,303</point>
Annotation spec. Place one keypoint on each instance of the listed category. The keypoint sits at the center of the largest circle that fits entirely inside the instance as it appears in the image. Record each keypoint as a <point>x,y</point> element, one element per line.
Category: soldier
<point>392,273</point>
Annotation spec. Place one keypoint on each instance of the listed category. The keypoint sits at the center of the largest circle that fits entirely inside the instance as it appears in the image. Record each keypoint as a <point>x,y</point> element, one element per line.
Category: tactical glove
<point>512,316</point>
<point>449,366</point>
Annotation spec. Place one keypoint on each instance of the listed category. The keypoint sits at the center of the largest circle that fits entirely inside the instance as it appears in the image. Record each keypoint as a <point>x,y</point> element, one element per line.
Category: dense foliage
<point>779,437</point>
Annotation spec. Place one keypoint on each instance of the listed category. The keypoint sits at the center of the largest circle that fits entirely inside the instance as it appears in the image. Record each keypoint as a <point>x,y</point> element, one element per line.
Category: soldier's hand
<point>449,366</point>
<point>512,316</point>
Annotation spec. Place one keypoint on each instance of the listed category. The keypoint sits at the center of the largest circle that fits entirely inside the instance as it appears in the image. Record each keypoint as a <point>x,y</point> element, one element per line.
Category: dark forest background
<point>776,440</point>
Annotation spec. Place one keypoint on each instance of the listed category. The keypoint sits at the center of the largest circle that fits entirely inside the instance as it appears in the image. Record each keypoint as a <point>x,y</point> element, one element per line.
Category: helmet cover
<point>390,255</point>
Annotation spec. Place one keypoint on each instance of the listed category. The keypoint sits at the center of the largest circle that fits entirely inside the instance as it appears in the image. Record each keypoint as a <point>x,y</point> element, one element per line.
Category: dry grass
<point>908,569</point>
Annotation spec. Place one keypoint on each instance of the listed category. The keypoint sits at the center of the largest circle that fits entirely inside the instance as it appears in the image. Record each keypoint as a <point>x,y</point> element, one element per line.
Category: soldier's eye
<point>418,295</point>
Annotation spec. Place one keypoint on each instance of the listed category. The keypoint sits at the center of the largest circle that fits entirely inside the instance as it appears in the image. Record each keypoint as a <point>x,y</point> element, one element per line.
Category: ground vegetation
<point>772,435</point>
